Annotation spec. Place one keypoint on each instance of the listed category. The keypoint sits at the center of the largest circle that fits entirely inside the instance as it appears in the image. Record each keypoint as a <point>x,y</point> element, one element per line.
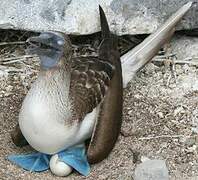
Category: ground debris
<point>159,121</point>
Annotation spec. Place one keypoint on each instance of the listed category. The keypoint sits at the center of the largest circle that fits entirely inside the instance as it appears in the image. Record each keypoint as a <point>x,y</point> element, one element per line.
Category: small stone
<point>166,128</point>
<point>3,74</point>
<point>186,68</point>
<point>194,130</point>
<point>16,78</point>
<point>160,114</point>
<point>151,170</point>
<point>150,68</point>
<point>137,96</point>
<point>9,88</point>
<point>7,94</point>
<point>192,149</point>
<point>179,110</point>
<point>130,112</point>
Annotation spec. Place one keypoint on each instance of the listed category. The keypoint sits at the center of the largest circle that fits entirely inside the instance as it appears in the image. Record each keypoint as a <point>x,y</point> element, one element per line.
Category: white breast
<point>44,119</point>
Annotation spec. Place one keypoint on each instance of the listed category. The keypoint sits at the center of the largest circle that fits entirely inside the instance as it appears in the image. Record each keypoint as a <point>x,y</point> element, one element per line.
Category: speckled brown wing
<point>90,79</point>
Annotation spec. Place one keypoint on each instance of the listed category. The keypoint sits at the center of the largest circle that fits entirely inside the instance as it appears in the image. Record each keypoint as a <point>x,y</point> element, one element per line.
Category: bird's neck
<point>62,69</point>
<point>57,77</point>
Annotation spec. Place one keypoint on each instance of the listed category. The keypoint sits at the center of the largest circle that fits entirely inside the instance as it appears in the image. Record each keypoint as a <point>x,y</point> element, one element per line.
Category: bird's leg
<point>17,137</point>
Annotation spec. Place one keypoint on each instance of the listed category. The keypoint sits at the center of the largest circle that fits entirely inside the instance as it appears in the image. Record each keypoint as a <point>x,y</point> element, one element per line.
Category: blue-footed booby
<point>75,99</point>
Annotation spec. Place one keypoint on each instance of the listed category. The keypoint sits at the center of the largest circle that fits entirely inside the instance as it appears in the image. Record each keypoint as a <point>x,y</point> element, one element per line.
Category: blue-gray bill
<point>48,47</point>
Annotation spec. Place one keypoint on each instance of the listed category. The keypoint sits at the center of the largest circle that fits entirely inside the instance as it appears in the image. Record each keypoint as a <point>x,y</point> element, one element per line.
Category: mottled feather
<point>90,79</point>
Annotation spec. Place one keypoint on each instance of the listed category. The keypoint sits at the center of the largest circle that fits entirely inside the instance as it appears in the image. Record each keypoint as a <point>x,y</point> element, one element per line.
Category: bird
<point>73,99</point>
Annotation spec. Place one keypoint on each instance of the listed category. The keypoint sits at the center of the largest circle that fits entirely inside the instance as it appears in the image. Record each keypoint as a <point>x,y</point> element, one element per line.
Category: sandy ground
<point>159,121</point>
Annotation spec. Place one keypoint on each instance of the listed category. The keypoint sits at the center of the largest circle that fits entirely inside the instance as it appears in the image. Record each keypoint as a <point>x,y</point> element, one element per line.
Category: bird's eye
<point>60,42</point>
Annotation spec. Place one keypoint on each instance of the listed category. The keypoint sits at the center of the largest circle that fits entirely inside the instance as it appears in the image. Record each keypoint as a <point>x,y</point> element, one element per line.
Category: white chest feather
<point>45,117</point>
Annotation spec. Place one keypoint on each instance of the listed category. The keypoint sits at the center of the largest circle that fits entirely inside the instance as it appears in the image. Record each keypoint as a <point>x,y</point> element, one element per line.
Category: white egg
<point>58,167</point>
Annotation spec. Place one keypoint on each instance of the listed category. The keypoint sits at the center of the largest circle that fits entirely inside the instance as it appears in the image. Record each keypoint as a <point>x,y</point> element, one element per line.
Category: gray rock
<point>81,16</point>
<point>151,170</point>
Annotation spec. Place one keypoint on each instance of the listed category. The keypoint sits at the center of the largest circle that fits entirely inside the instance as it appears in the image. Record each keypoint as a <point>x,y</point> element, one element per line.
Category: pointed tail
<point>135,59</point>
<point>109,43</point>
<point>109,119</point>
<point>104,24</point>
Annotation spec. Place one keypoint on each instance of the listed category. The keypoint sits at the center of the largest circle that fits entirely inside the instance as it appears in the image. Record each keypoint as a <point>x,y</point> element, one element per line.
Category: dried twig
<point>166,56</point>
<point>162,136</point>
<point>11,43</point>
<point>16,59</point>
<point>10,69</point>
<point>190,60</point>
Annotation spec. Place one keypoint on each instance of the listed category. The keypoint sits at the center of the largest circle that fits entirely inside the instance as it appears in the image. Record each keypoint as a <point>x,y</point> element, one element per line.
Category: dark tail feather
<point>109,41</point>
<point>104,24</point>
<point>108,124</point>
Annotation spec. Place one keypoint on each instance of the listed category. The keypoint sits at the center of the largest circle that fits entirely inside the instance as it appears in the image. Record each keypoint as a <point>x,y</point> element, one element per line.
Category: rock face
<point>151,170</point>
<point>82,17</point>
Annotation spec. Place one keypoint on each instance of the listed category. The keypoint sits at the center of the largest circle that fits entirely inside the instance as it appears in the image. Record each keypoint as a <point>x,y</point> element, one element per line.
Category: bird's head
<point>50,47</point>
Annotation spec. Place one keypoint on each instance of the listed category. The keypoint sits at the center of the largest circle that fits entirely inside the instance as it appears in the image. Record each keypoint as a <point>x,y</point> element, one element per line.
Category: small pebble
<point>179,110</point>
<point>160,114</point>
<point>152,170</point>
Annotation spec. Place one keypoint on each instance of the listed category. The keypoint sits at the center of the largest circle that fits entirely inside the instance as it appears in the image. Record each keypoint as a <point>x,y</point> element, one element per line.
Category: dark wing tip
<point>100,8</point>
<point>104,24</point>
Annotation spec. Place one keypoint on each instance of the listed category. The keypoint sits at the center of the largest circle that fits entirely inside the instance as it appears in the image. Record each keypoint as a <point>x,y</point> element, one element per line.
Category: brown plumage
<point>92,83</point>
<point>109,121</point>
<point>73,88</point>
